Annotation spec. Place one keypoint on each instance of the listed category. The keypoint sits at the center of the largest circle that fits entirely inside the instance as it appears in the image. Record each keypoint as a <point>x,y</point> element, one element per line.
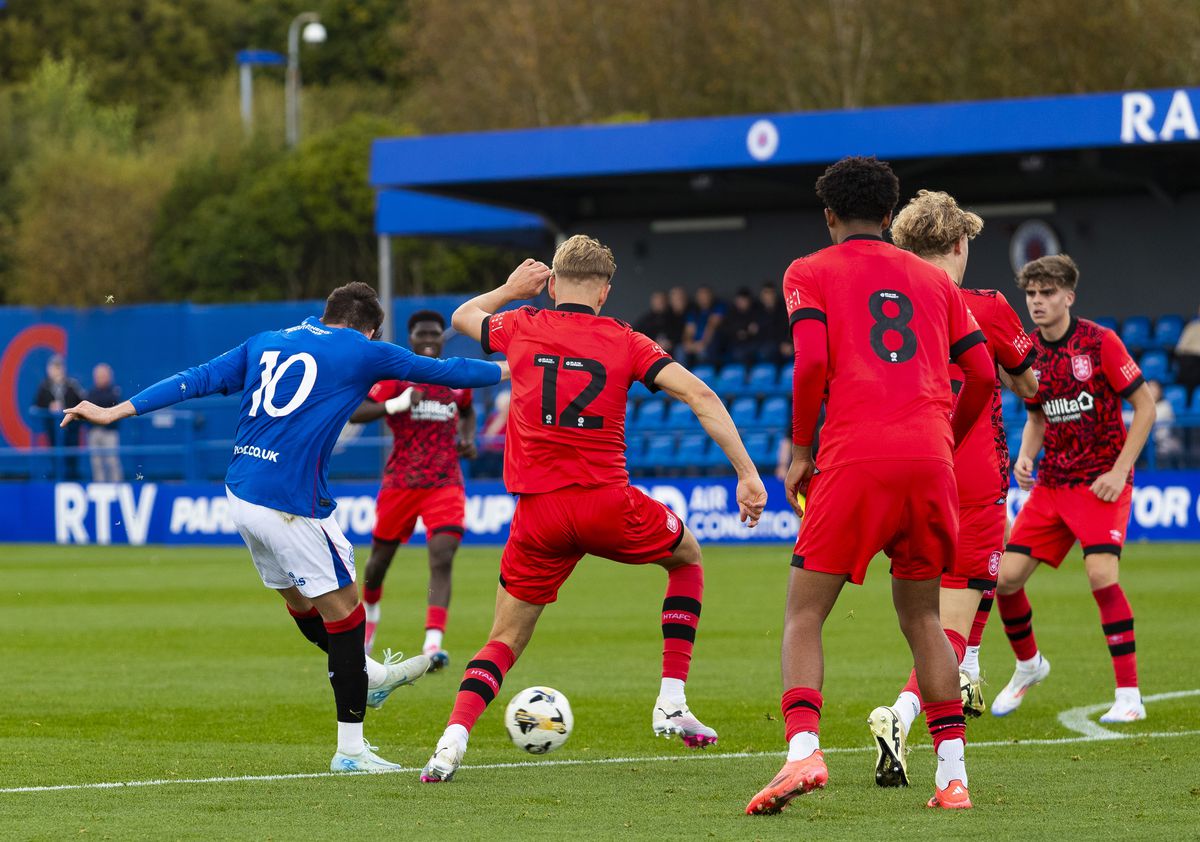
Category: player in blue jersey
<point>299,386</point>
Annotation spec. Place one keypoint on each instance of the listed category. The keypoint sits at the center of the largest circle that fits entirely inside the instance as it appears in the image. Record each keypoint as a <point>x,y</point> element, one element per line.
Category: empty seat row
<point>747,412</point>
<point>695,450</point>
<point>1139,333</point>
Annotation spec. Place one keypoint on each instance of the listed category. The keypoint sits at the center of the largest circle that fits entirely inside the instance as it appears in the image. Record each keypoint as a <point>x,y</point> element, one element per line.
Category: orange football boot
<point>953,797</point>
<point>795,778</point>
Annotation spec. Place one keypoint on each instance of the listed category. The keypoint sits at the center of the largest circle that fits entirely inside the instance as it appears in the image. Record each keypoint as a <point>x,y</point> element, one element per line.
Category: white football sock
<point>433,640</point>
<point>457,732</point>
<point>1032,663</point>
<point>350,738</point>
<point>1129,694</point>
<point>970,662</point>
<point>672,690</point>
<point>372,611</point>
<point>951,763</point>
<point>376,673</point>
<point>802,745</point>
<point>908,708</point>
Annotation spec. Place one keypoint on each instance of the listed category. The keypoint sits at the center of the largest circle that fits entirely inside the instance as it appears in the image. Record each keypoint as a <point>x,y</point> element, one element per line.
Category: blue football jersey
<point>299,387</point>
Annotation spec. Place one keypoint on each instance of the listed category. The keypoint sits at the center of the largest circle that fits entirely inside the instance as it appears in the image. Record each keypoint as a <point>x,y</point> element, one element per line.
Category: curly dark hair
<point>426,316</point>
<point>355,305</point>
<point>859,188</point>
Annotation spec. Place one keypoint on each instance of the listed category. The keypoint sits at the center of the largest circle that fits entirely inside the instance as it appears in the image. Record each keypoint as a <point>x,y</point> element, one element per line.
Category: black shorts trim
<point>652,372</point>
<point>1019,548</point>
<point>798,561</point>
<point>503,583</point>
<point>981,585</point>
<point>1133,387</point>
<point>485,340</point>
<point>1115,549</point>
<point>456,530</point>
<point>678,538</point>
<point>808,313</point>
<point>1024,364</point>
<point>966,343</point>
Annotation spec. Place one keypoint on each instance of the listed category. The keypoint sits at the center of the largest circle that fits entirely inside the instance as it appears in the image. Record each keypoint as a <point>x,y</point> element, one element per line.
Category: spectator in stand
<point>103,441</point>
<point>1187,355</point>
<point>1168,445</point>
<point>775,333</point>
<point>491,440</point>
<point>677,314</point>
<point>56,393</point>
<point>739,331</point>
<point>700,333</point>
<point>660,324</point>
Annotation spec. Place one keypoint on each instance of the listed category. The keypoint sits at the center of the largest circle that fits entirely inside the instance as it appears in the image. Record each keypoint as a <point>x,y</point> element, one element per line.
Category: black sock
<point>312,627</point>
<point>348,665</point>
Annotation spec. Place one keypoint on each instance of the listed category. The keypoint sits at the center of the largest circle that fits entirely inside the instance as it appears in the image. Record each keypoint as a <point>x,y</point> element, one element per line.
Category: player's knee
<point>688,552</point>
<point>1101,570</point>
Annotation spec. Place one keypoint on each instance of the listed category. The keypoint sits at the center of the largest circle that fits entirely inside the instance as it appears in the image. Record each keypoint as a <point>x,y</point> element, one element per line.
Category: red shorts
<point>907,508</point>
<point>1052,519</point>
<point>980,546</point>
<point>396,510</point>
<point>552,531</point>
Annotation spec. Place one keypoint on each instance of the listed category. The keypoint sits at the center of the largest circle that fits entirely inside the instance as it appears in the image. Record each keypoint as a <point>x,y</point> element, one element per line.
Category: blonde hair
<point>580,258</point>
<point>932,223</point>
<point>1057,270</point>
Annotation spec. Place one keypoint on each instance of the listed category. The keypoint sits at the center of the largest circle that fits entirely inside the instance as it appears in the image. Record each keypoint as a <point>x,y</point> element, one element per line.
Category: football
<point>538,720</point>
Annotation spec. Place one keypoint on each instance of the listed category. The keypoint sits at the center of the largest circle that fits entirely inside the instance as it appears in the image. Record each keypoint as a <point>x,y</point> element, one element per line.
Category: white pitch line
<point>1077,719</point>
<point>588,762</point>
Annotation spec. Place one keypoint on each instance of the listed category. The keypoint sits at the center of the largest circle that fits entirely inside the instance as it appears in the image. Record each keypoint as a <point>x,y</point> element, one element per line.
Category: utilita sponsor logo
<point>1059,410</point>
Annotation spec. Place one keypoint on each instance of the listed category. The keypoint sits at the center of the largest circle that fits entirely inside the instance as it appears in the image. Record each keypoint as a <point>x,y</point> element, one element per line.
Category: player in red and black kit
<point>874,326</point>
<point>936,229</point>
<point>565,459</point>
<point>433,427</point>
<point>1084,484</point>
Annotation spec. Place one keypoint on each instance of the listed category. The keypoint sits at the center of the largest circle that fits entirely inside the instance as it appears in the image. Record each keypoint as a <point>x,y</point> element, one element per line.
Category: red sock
<point>1018,623</point>
<point>946,721</point>
<point>1116,618</point>
<point>435,617</point>
<point>957,643</point>
<point>481,682</point>
<point>981,617</point>
<point>372,595</point>
<point>680,616</point>
<point>801,711</point>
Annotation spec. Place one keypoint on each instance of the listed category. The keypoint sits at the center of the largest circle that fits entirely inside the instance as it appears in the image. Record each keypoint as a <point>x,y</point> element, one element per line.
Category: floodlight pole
<point>293,75</point>
<point>385,286</point>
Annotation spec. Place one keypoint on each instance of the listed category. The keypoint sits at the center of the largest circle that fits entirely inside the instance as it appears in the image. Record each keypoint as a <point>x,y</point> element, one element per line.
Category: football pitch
<point>175,673</point>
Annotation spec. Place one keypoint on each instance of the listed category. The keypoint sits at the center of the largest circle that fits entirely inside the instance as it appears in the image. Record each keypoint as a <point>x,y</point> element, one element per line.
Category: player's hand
<point>1108,487</point>
<point>1023,471</point>
<point>466,448</point>
<point>800,472</point>
<point>751,499</point>
<point>528,279</point>
<point>89,412</point>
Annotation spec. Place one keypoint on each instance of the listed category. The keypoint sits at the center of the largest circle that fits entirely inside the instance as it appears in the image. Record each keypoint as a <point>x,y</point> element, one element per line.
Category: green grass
<point>126,664</point>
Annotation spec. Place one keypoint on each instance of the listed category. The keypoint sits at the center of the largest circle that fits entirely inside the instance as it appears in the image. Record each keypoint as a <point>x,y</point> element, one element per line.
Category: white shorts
<point>309,554</point>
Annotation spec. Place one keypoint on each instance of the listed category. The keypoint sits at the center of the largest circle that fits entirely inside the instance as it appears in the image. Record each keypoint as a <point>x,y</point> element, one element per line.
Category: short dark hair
<point>859,188</point>
<point>426,316</point>
<point>355,305</point>
<point>1057,270</point>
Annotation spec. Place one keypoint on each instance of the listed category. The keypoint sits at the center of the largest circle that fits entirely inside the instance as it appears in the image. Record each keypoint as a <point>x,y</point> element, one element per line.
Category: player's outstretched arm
<point>979,378</point>
<point>1108,487</point>
<point>100,415</point>
<point>526,281</point>
<point>1023,385</point>
<point>1031,443</point>
<point>684,386</point>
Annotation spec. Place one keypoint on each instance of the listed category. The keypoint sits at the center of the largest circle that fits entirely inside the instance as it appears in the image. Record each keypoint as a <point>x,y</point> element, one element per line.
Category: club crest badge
<point>1081,367</point>
<point>994,563</point>
<point>672,522</point>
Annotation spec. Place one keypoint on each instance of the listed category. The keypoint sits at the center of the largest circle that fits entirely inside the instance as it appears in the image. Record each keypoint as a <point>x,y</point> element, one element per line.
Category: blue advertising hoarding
<point>1166,507</point>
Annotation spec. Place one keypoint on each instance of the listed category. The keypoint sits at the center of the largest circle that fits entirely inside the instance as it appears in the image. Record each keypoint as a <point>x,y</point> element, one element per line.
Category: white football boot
<point>399,673</point>
<point>1127,708</point>
<point>1010,698</point>
<point>670,719</point>
<point>445,761</point>
<point>891,760</point>
<point>367,761</point>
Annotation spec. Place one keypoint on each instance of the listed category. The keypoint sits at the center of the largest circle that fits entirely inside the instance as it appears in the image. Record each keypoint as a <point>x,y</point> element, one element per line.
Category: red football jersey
<point>425,452</point>
<point>981,461</point>
<point>1082,378</point>
<point>892,321</point>
<point>571,373</point>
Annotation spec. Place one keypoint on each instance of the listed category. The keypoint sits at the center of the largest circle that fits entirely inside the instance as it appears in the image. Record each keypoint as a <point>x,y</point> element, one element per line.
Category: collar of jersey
<point>863,237</point>
<point>1062,340</point>
<point>576,308</point>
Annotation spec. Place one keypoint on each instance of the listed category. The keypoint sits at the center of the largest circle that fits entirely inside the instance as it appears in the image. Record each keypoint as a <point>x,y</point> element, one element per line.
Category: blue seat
<point>691,452</point>
<point>652,415</point>
<point>1108,322</point>
<point>776,413</point>
<point>705,372</point>
<point>1009,403</point>
<point>758,445</point>
<point>1177,397</point>
<point>630,416</point>
<point>635,451</point>
<point>744,412</point>
<point>731,379</point>
<point>1135,333</point>
<point>638,391</point>
<point>1167,332</point>
<point>1156,366</point>
<point>1195,403</point>
<point>681,417</point>
<point>783,386</point>
<point>660,450</point>
<point>762,379</point>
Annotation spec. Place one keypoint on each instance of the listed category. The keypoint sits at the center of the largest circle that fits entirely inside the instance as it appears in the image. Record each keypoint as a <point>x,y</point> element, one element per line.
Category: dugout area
<point>728,201</point>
